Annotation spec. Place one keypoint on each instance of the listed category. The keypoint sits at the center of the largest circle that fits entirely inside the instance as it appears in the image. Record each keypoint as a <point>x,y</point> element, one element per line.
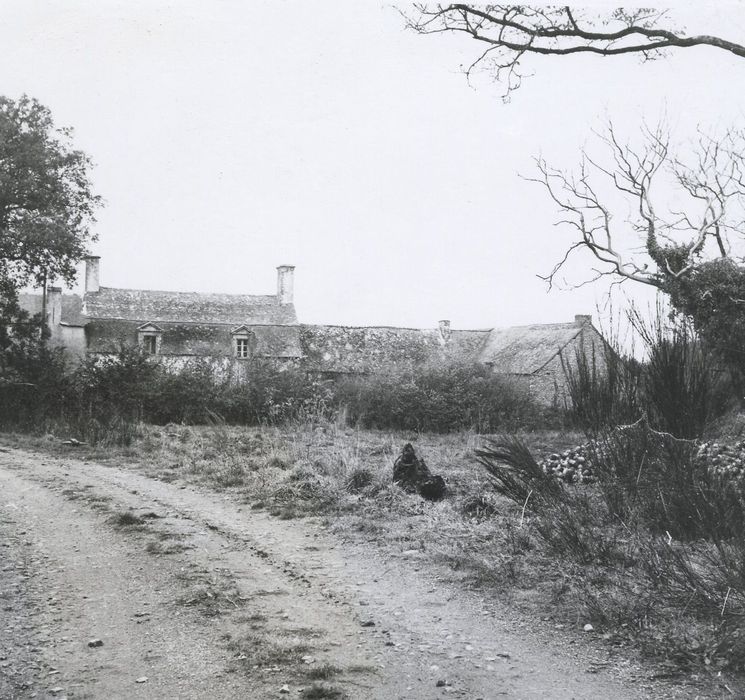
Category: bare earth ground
<point>196,595</point>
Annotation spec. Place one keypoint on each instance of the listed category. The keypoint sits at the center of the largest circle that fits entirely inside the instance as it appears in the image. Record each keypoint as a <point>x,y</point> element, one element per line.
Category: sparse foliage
<point>645,213</point>
<point>507,34</point>
<point>648,214</point>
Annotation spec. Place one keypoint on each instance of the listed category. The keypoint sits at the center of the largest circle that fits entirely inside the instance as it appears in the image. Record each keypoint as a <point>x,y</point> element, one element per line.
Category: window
<point>244,343</point>
<point>148,338</point>
<point>150,344</point>
<point>242,349</point>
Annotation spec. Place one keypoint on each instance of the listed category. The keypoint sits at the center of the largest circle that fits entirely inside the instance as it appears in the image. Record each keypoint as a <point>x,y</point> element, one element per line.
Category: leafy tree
<point>47,204</point>
<point>510,33</point>
<point>47,208</point>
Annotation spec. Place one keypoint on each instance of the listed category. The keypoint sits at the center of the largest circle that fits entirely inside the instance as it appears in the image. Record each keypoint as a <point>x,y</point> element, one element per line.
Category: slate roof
<point>526,349</point>
<point>147,305</point>
<point>72,306</point>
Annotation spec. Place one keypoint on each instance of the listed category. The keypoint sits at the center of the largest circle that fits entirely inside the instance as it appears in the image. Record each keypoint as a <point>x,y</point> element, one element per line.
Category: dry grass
<point>256,649</point>
<point>127,520</point>
<point>482,539</point>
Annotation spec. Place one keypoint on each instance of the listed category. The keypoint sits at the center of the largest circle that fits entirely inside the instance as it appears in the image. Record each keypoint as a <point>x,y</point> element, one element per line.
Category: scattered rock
<point>95,643</point>
<point>588,627</point>
<point>367,623</point>
<point>141,679</point>
<point>574,466</point>
<point>442,684</point>
<point>284,689</point>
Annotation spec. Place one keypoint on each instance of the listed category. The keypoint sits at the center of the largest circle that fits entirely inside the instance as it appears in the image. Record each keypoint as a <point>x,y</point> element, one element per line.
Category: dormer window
<point>148,338</point>
<point>150,344</point>
<point>244,343</point>
<point>241,348</point>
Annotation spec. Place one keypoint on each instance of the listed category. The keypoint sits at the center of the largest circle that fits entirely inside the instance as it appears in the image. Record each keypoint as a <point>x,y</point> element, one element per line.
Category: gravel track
<point>204,597</point>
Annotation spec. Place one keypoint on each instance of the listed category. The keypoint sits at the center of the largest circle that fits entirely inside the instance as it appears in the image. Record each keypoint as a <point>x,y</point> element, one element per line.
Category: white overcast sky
<point>230,137</point>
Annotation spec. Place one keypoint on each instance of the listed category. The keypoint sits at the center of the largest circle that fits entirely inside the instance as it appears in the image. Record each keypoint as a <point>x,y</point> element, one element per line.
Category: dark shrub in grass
<point>515,473</point>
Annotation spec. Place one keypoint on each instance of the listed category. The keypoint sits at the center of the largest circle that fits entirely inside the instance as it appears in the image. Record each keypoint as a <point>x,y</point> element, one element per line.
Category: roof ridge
<point>166,291</point>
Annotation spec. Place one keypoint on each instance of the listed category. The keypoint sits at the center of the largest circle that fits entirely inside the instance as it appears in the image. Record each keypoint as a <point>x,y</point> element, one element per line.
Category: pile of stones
<point>724,461</point>
<point>573,466</point>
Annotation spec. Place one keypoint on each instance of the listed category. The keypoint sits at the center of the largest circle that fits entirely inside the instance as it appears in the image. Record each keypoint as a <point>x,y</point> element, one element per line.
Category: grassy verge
<point>570,567</point>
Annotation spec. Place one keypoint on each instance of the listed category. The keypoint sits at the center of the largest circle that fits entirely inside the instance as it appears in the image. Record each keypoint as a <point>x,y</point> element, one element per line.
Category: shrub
<point>659,538</point>
<point>684,391</point>
<point>106,397</point>
<point>440,397</point>
<point>516,475</point>
<point>678,387</point>
<point>604,388</point>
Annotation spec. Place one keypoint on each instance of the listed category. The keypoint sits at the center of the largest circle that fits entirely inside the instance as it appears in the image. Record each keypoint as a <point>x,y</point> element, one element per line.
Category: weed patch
<point>212,598</point>
<point>127,520</point>
<point>323,691</point>
<point>323,672</point>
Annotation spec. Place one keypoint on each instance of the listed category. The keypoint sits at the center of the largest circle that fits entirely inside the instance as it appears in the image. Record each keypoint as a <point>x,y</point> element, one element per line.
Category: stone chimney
<point>92,273</point>
<point>285,283</point>
<point>444,331</point>
<point>582,320</point>
<point>54,307</point>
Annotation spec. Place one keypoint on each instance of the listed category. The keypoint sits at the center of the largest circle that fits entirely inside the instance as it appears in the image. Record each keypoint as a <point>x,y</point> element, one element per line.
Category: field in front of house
<point>478,539</point>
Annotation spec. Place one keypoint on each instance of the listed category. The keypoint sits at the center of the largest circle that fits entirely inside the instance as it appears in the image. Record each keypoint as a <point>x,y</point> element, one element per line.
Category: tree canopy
<point>510,33</point>
<point>47,208</point>
<point>47,204</point>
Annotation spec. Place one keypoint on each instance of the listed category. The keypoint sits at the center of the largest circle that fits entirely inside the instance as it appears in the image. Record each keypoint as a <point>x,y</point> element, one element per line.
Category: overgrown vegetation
<point>650,550</point>
<point>104,399</point>
<point>439,398</point>
<point>654,551</point>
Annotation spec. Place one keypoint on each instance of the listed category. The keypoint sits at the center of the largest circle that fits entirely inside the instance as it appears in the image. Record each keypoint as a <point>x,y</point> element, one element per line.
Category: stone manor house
<point>234,328</point>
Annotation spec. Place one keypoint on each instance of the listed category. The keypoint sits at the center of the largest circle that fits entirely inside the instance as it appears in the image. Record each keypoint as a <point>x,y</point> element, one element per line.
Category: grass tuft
<point>323,691</point>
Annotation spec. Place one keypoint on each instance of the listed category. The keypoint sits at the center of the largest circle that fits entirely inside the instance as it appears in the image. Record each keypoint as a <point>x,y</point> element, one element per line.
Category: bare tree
<point>510,32</point>
<point>648,215</point>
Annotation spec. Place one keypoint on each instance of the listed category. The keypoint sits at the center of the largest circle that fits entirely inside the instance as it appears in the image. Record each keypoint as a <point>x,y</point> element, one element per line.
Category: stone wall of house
<point>355,350</point>
<point>549,385</point>
<point>193,339</point>
<point>72,339</point>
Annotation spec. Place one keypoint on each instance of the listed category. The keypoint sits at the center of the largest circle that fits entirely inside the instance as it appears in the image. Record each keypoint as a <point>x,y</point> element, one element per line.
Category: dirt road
<point>194,595</point>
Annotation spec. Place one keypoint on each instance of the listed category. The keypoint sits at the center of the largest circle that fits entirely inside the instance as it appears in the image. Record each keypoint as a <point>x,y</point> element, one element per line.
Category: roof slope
<point>146,305</point>
<point>354,349</point>
<point>525,349</point>
<point>72,306</point>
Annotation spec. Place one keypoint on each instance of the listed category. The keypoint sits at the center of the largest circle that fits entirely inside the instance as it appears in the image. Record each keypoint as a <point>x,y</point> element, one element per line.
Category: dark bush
<point>678,387</point>
<point>604,388</point>
<point>441,398</point>
<point>516,475</point>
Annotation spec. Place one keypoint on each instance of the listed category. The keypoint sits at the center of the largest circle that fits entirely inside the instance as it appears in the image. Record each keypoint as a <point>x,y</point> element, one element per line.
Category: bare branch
<point>674,238</point>
<point>513,31</point>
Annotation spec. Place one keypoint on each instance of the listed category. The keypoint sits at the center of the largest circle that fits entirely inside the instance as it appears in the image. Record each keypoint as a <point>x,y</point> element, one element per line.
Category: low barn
<point>232,328</point>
